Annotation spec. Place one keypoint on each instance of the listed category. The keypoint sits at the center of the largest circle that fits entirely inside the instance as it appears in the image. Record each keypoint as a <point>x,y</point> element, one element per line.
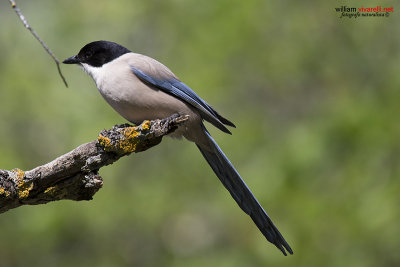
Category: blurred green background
<point>315,99</point>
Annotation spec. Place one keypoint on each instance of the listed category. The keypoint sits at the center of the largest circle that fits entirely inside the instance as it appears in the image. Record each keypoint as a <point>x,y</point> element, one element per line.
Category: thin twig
<point>25,22</point>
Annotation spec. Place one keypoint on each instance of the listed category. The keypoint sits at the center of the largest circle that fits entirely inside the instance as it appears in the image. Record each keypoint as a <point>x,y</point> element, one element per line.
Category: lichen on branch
<point>75,175</point>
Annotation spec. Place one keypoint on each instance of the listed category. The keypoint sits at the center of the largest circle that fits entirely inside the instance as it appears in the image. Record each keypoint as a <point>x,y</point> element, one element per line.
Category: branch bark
<point>75,175</point>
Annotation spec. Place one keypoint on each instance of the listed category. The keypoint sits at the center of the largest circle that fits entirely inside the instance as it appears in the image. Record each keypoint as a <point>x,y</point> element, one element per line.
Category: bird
<point>140,88</point>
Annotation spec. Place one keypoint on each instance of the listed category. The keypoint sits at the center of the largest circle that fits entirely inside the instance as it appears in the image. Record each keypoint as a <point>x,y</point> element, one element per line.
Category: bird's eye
<point>89,54</point>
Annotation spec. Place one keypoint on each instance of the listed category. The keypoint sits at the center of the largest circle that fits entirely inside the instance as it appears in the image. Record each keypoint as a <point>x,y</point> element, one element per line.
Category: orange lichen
<point>129,142</point>
<point>105,142</point>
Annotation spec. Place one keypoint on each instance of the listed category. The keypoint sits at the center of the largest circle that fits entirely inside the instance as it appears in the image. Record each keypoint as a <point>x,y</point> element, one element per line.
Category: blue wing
<point>180,90</point>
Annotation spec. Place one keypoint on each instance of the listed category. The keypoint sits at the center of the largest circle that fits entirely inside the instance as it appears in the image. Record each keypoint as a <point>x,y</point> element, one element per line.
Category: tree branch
<point>75,175</point>
<point>25,22</point>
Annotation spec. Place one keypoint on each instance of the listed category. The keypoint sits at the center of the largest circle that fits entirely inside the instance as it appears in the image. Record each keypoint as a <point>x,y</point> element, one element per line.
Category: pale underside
<point>137,101</point>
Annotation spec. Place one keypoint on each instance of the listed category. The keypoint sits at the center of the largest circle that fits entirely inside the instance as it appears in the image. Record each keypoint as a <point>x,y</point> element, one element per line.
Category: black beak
<point>72,60</point>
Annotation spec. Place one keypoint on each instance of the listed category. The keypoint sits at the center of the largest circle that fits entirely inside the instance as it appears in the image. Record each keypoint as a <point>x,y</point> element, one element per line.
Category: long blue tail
<point>232,181</point>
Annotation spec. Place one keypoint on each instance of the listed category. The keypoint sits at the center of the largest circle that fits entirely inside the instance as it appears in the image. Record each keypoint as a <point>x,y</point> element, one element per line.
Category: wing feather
<point>175,87</point>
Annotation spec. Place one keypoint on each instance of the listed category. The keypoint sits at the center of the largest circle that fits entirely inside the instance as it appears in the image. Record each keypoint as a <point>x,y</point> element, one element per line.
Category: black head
<point>97,53</point>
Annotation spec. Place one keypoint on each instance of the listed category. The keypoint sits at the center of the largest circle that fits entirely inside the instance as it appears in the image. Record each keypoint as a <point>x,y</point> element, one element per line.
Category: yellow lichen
<point>23,188</point>
<point>105,142</point>
<point>129,142</point>
<point>4,192</point>
<point>24,192</point>
<point>146,125</point>
<point>50,190</point>
<point>19,175</point>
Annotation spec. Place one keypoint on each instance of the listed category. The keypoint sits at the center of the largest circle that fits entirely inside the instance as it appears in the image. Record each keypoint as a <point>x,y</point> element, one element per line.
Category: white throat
<point>95,72</point>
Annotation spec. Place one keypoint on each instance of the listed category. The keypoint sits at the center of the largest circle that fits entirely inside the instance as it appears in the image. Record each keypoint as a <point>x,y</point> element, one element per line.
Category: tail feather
<point>232,181</point>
